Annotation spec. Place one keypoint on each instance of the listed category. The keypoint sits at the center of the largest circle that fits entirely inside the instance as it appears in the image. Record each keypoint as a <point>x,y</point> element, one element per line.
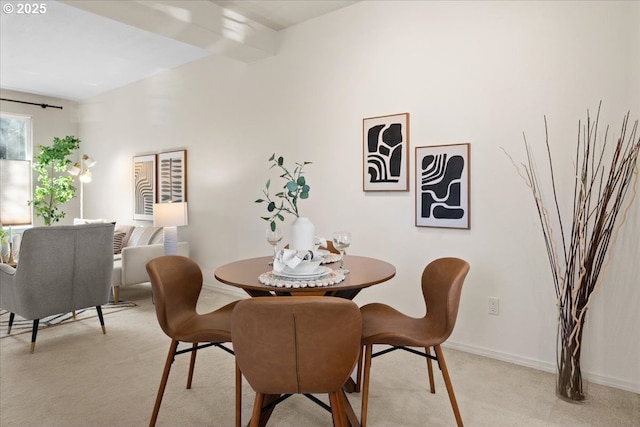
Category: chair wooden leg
<point>365,384</point>
<point>427,351</point>
<point>163,382</point>
<point>34,333</point>
<point>352,419</point>
<point>257,410</point>
<point>192,364</point>
<point>238,396</point>
<point>338,409</point>
<point>447,382</point>
<point>73,314</point>
<point>11,317</point>
<point>116,294</point>
<point>359,372</point>
<point>101,317</point>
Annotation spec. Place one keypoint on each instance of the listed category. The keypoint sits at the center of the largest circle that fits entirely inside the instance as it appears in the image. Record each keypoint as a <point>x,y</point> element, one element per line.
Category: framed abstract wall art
<point>386,153</point>
<point>172,176</point>
<point>144,186</point>
<point>442,186</point>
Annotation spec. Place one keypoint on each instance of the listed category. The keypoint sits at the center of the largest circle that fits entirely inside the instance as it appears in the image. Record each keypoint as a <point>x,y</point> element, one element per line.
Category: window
<point>15,137</point>
<point>15,169</point>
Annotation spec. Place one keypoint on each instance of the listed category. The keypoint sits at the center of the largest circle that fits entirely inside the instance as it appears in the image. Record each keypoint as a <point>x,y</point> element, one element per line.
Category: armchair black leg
<point>34,333</point>
<point>99,310</point>
<point>11,317</point>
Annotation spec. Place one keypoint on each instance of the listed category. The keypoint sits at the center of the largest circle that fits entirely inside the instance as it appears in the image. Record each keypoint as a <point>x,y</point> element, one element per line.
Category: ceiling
<point>79,49</point>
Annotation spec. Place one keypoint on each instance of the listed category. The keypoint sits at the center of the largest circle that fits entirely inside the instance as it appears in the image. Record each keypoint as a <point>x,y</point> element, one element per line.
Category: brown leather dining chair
<point>442,281</point>
<point>176,282</point>
<point>329,246</point>
<point>298,344</point>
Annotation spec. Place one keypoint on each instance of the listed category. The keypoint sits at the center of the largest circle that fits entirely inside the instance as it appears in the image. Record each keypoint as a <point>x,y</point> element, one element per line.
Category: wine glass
<point>341,241</point>
<point>274,237</point>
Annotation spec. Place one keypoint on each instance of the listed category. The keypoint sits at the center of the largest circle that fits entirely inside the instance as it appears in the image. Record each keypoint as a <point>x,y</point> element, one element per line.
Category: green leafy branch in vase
<point>285,201</point>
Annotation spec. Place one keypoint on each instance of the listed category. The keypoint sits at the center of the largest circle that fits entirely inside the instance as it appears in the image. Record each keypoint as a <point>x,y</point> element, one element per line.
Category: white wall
<point>477,72</point>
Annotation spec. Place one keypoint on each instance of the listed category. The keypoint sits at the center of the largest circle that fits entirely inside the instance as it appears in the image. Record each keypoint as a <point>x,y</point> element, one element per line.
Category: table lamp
<point>170,216</point>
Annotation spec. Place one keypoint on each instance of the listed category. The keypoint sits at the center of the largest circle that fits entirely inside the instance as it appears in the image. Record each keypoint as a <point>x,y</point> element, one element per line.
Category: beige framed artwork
<point>442,186</point>
<point>144,186</point>
<point>172,176</point>
<point>385,141</point>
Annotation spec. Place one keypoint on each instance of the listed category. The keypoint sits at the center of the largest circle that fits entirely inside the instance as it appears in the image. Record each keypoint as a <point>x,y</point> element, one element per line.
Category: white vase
<point>302,234</point>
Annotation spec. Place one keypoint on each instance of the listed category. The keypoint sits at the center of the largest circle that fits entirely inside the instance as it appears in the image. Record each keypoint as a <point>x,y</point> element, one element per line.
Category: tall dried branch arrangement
<point>604,174</point>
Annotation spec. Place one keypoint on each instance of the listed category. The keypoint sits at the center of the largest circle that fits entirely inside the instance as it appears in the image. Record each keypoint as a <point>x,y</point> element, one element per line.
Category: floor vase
<point>571,386</point>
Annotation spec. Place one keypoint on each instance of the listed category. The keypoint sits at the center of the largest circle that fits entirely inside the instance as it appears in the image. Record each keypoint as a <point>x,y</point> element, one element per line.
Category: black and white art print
<point>144,186</point>
<point>172,176</point>
<point>442,186</point>
<point>386,153</point>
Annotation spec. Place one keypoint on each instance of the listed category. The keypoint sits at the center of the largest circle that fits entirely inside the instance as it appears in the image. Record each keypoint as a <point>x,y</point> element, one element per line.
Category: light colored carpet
<point>79,377</point>
<point>21,326</point>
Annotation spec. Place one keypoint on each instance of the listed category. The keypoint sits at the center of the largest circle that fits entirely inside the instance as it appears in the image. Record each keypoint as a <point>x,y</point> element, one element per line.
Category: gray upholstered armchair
<point>61,269</point>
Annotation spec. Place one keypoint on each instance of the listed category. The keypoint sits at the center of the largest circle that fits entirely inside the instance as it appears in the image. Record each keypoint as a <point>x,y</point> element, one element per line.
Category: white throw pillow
<point>81,221</point>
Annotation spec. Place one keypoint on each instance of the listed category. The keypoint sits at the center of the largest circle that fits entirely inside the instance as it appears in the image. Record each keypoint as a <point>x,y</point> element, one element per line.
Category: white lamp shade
<point>86,176</point>
<point>75,169</point>
<point>88,161</point>
<point>170,214</point>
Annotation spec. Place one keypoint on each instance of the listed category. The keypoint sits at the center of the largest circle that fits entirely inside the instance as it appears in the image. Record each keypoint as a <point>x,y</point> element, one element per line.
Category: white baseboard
<point>481,351</point>
<point>543,366</point>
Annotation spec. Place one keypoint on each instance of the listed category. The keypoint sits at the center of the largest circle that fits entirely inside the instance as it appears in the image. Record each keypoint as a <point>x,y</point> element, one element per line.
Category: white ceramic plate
<point>320,272</point>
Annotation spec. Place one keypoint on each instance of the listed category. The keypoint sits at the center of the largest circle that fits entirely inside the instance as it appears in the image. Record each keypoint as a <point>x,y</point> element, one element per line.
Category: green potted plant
<point>54,187</point>
<point>285,201</point>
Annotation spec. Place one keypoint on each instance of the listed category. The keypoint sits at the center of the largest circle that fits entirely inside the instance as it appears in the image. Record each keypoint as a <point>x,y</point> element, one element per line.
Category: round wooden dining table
<point>364,272</point>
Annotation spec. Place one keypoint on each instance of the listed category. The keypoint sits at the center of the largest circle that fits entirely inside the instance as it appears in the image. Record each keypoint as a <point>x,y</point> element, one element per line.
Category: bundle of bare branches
<point>602,180</point>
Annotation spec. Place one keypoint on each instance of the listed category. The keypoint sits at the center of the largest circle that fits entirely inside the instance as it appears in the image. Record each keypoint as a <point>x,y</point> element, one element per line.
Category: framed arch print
<point>144,186</point>
<point>385,141</point>
<point>442,186</point>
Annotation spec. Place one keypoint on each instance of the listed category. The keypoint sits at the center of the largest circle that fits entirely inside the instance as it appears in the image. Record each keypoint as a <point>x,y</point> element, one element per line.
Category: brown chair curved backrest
<point>176,282</point>
<point>297,345</point>
<point>330,247</point>
<point>442,281</point>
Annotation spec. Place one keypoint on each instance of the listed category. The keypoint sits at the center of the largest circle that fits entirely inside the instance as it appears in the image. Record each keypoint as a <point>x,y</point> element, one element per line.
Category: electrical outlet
<point>494,306</point>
